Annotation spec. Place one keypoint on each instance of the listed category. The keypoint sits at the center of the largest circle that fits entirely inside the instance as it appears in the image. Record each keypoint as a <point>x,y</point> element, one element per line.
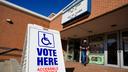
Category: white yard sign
<point>43,52</point>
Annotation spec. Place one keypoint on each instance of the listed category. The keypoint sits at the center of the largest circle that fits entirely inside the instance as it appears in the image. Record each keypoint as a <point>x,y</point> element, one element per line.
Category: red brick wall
<point>56,23</point>
<point>13,35</point>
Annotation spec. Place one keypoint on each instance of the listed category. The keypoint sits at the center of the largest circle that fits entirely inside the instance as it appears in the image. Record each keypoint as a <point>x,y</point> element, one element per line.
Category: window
<point>96,44</point>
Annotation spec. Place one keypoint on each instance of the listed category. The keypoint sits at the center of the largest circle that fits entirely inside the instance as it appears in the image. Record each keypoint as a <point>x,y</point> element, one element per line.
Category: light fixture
<point>90,31</point>
<point>9,21</point>
<point>114,25</point>
<point>74,35</point>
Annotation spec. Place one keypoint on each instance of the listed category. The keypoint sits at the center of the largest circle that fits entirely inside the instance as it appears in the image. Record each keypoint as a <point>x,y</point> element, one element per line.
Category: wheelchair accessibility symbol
<point>45,39</point>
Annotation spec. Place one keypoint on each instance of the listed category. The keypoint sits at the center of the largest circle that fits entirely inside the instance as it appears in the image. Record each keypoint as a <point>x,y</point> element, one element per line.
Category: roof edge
<point>64,9</point>
<point>60,12</point>
<point>24,9</point>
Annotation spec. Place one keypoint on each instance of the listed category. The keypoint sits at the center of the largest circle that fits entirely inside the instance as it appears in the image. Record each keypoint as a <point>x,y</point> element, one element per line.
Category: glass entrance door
<point>112,49</point>
<point>116,52</point>
<point>124,50</point>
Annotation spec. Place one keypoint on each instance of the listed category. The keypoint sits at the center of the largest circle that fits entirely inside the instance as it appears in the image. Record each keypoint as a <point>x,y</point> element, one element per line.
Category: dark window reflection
<point>112,48</point>
<point>125,47</point>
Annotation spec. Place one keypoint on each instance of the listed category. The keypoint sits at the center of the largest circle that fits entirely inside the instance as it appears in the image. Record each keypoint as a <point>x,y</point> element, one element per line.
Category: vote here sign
<point>44,50</point>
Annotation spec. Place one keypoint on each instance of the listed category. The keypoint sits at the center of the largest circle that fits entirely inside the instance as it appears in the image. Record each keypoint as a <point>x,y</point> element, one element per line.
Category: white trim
<point>65,9</point>
<point>70,5</point>
<point>118,49</point>
<point>122,61</point>
<point>34,13</point>
<point>24,9</point>
<point>60,12</point>
<point>118,58</point>
<point>80,57</point>
<point>110,65</point>
<point>105,58</point>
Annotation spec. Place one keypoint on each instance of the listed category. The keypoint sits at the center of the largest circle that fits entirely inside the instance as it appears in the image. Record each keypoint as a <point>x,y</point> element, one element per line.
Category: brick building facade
<point>106,22</point>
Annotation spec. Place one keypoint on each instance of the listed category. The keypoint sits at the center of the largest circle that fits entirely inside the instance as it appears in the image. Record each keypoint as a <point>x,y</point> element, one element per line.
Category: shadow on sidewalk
<point>70,69</point>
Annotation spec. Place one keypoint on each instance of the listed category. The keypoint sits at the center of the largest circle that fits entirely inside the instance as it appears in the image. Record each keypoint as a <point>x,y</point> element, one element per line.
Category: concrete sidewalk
<point>77,67</point>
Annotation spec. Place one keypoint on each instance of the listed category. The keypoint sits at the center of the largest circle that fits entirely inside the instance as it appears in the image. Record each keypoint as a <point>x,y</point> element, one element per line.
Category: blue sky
<point>44,7</point>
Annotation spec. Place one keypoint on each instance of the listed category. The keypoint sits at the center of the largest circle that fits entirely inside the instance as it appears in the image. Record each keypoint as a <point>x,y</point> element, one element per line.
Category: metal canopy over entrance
<point>115,20</point>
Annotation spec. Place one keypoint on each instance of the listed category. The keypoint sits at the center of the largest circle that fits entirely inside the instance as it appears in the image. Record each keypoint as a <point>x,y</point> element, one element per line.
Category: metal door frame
<point>118,51</point>
<point>121,54</point>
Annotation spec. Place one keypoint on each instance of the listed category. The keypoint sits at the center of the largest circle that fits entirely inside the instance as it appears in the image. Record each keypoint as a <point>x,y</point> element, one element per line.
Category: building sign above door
<point>76,8</point>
